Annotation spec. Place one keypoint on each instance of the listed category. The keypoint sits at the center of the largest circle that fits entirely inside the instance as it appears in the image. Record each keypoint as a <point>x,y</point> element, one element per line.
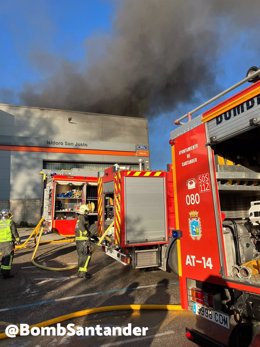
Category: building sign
<point>66,144</point>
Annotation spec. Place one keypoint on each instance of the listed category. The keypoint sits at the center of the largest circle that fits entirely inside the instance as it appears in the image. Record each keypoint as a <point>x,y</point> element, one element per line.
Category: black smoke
<point>160,54</point>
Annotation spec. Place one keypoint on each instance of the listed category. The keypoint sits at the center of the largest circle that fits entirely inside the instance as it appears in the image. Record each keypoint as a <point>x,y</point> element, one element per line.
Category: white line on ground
<point>119,343</point>
<point>106,292</point>
<point>54,279</point>
<point>32,266</point>
<point>47,280</point>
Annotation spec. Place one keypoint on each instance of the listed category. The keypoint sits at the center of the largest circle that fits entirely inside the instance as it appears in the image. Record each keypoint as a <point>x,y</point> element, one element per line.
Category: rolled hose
<point>70,267</point>
<point>89,311</point>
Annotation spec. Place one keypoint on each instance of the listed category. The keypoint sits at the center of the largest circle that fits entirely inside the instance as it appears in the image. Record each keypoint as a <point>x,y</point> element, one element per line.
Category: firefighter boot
<point>81,274</point>
<point>84,275</point>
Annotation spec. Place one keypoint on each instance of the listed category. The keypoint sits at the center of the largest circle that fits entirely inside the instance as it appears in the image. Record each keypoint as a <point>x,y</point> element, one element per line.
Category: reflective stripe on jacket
<point>5,231</point>
<point>81,235</point>
<point>82,232</point>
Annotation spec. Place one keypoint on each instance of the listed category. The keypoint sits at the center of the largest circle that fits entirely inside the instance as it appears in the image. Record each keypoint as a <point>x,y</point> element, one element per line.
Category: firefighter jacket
<point>8,231</point>
<point>82,228</point>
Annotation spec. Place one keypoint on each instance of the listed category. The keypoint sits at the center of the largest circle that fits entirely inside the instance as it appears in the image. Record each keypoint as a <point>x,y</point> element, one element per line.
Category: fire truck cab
<point>216,177</point>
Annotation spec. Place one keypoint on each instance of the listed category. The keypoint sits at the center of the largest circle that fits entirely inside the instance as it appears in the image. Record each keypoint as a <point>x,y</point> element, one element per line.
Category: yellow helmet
<point>84,209</point>
<point>5,214</point>
<point>91,206</point>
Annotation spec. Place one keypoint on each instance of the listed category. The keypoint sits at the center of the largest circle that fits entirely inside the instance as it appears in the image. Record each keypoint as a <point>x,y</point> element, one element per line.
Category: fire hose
<point>89,311</point>
<point>38,232</point>
<point>69,267</point>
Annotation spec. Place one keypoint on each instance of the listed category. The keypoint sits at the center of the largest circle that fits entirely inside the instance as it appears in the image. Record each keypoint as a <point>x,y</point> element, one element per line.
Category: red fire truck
<point>140,204</point>
<point>216,178</point>
<point>200,219</point>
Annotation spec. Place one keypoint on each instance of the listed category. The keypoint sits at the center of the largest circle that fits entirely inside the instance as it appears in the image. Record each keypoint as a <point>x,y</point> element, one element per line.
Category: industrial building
<point>33,139</point>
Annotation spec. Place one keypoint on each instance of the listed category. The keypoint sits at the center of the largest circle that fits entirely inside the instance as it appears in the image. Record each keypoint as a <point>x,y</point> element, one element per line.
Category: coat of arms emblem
<point>195,225</point>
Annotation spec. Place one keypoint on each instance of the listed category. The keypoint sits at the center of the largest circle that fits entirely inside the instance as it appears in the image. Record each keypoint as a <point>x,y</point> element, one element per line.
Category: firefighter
<point>83,243</point>
<point>8,238</point>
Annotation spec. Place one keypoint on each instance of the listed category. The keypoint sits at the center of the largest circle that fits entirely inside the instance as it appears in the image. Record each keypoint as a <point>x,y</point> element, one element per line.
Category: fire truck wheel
<point>173,258</point>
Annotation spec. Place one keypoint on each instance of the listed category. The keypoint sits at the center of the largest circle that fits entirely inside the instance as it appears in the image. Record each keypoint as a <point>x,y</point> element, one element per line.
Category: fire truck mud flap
<point>173,258</point>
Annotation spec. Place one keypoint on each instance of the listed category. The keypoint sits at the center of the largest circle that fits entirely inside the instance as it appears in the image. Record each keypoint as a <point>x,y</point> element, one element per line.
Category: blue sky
<point>64,29</point>
<point>57,27</point>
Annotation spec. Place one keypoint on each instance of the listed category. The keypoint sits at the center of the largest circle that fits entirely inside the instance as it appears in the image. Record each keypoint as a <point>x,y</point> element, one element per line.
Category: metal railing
<point>189,114</point>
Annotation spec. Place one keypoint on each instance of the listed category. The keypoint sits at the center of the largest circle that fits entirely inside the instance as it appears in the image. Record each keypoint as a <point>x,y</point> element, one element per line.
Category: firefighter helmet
<point>5,214</point>
<point>84,209</point>
<point>91,206</point>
